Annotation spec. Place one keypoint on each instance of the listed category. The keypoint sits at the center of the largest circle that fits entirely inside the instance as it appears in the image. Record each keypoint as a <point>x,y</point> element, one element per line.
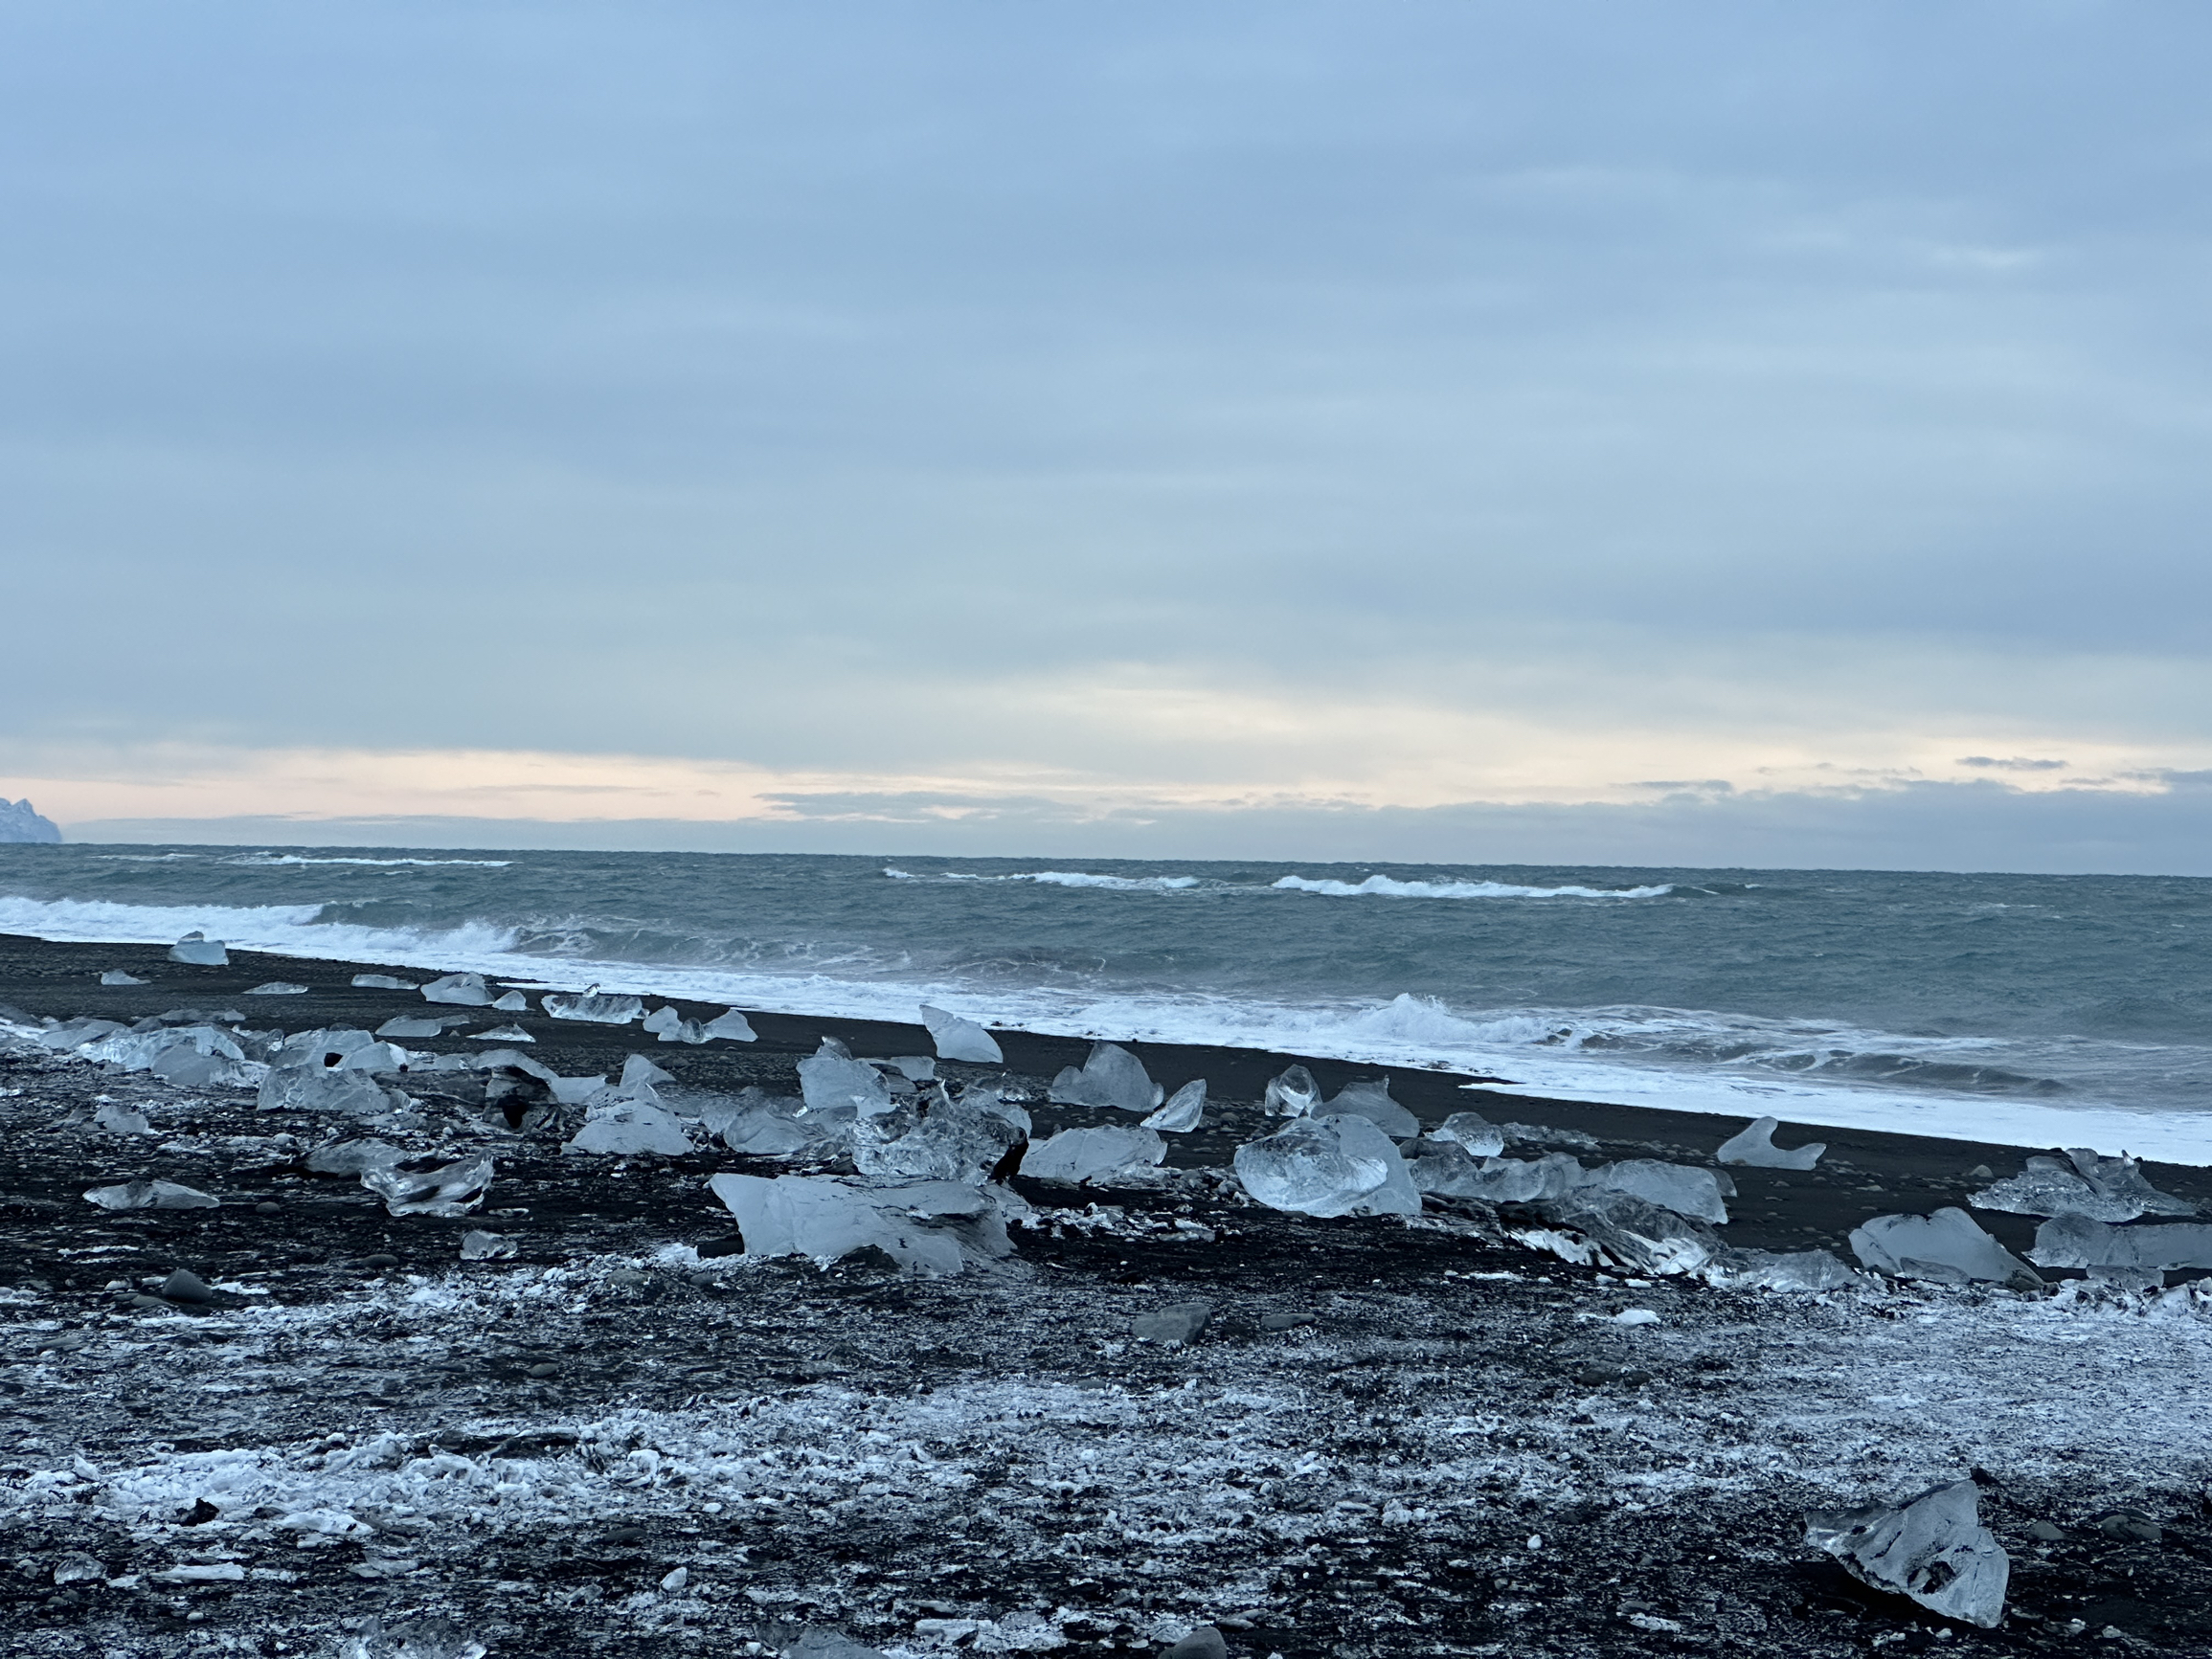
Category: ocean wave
<point>1390,887</point>
<point>1063,879</point>
<point>280,929</point>
<point>261,860</point>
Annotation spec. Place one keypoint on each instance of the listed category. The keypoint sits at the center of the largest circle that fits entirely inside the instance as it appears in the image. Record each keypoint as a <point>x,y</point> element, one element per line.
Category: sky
<point>1668,434</point>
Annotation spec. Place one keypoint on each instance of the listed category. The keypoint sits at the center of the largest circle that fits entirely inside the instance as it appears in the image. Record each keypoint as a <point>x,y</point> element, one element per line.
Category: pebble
<point>1204,1643</point>
<point>1284,1321</point>
<point>2045,1530</point>
<point>2131,1526</point>
<point>186,1285</point>
<point>266,1208</point>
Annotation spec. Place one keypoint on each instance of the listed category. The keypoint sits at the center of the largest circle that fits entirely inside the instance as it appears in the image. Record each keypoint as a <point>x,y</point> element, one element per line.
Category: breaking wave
<point>1063,879</point>
<point>1390,887</point>
<point>265,860</point>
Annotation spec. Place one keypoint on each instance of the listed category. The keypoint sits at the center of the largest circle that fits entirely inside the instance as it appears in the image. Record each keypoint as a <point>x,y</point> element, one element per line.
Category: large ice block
<point>1932,1548</point>
<point>1481,1137</point>
<point>959,1039</point>
<point>958,1140</point>
<point>200,950</point>
<point>593,1006</point>
<point>462,990</point>
<point>1095,1157</point>
<point>1683,1188</point>
<point>731,1027</point>
<point>1754,1147</point>
<point>2137,1255</point>
<point>430,1186</point>
<point>1948,1247</point>
<point>1599,1224</point>
<point>831,1080</point>
<point>1185,1110</point>
<point>927,1228</point>
<point>1328,1166</point>
<point>2079,1184</point>
<point>322,1089</point>
<point>1110,1077</point>
<point>1446,1168</point>
<point>623,1126</point>
<point>1370,1098</point>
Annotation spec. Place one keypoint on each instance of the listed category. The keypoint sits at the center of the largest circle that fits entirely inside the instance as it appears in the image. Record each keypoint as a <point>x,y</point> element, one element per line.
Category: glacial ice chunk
<point>598,1007</point>
<point>1481,1137</point>
<point>427,1186</point>
<point>462,990</point>
<point>1754,1147</point>
<point>353,1157</point>
<point>731,1027</point>
<point>200,950</point>
<point>1446,1168</point>
<point>927,1228</point>
<point>477,1246</point>
<point>510,1002</point>
<point>761,1126</point>
<point>421,1025</point>
<point>914,1068</point>
<point>1932,1548</point>
<point>959,1039</point>
<point>963,1140</point>
<point>831,1080</point>
<point>1328,1166</point>
<point>1595,1226</point>
<point>502,1034</point>
<point>1093,1157</point>
<point>1686,1190</point>
<point>2137,1255</point>
<point>151,1196</point>
<point>1172,1326</point>
<point>117,977</point>
<point>384,982</point>
<point>1948,1249</point>
<point>321,1088</point>
<point>79,1033</point>
<point>1293,1094</point>
<point>1370,1098</point>
<point>2080,1184</point>
<point>323,1047</point>
<point>666,1017</point>
<point>1110,1077</point>
<point>278,987</point>
<point>622,1126</point>
<point>637,1069</point>
<point>1185,1110</point>
<point>119,1119</point>
<point>182,1056</point>
<point>1783,1270</point>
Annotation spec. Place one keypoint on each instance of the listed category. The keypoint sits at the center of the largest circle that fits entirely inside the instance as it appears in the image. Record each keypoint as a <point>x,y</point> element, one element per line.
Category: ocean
<point>2030,1010</point>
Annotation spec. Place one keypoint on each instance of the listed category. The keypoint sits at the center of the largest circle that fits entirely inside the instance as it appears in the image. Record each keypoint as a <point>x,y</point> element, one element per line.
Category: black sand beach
<point>1388,1438</point>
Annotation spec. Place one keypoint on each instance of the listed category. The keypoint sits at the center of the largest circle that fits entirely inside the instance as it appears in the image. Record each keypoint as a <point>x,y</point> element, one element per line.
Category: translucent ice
<point>628,1124</point>
<point>1686,1190</point>
<point>1932,1548</point>
<point>761,1126</point>
<point>600,1008</point>
<point>278,987</point>
<point>418,1026</point>
<point>1481,1137</point>
<point>914,1068</point>
<point>120,1119</point>
<point>963,1140</point>
<point>353,1158</point>
<point>184,1056</point>
<point>151,1196</point>
<point>384,982</point>
<point>1948,1247</point>
<point>200,950</point>
<point>1755,1148</point>
<point>1185,1110</point>
<point>830,1079</point>
<point>323,1047</point>
<point>1110,1077</point>
<point>1783,1270</point>
<point>1076,1157</point>
<point>637,1069</point>
<point>959,1039</point>
<point>731,1027</point>
<point>1334,1166</point>
<point>511,1002</point>
<point>1597,1225</point>
<point>1448,1170</point>
<point>117,977</point>
<point>2139,1255</point>
<point>1293,1094</point>
<point>2079,1184</point>
<point>78,1033</point>
<point>462,990</point>
<point>502,1034</point>
<point>330,1089</point>
<point>1370,1098</point>
<point>929,1227</point>
<point>482,1246</point>
<point>427,1186</point>
<point>666,1017</point>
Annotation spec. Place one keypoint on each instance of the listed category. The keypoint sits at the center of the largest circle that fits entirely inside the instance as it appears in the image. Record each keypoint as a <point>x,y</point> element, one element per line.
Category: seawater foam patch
<point>1062,879</point>
<point>263,860</point>
<point>1391,888</point>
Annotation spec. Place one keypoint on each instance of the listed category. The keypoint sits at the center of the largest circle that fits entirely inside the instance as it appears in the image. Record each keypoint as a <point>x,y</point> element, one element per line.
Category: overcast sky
<point>1448,431</point>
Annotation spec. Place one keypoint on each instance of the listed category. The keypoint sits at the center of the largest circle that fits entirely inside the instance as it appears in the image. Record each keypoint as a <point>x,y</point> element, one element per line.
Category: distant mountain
<point>19,823</point>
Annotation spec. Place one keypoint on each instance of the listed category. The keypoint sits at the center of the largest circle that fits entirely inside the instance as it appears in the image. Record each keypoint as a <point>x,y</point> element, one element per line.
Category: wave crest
<point>1391,888</point>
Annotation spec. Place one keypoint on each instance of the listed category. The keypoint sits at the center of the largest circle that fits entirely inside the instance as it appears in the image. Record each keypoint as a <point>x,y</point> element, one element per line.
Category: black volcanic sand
<point>989,1462</point>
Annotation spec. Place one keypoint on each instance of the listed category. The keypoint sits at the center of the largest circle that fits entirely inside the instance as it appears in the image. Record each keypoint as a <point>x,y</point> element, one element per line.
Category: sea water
<point>2034,1009</point>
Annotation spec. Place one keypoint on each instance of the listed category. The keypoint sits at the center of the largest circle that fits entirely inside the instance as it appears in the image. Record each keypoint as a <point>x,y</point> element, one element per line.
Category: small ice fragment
<point>151,1196</point>
<point>1185,1110</point>
<point>75,1567</point>
<point>2083,1184</point>
<point>183,1285</point>
<point>1634,1316</point>
<point>1110,1077</point>
<point>117,977</point>
<point>353,1158</point>
<point>1481,1137</point>
<point>1293,1094</point>
<point>462,990</point>
<point>1783,1270</point>
<point>2137,1255</point>
<point>384,982</point>
<point>1332,1166</point>
<point>1932,1548</point>
<point>731,1027</point>
<point>1206,1642</point>
<point>277,988</point>
<point>831,1080</point>
<point>427,1187</point>
<point>324,1088</point>
<point>1948,1247</point>
<point>200,950</point>
<point>597,1007</point>
<point>929,1227</point>
<point>1679,1187</point>
<point>666,1017</point>
<point>959,1039</point>
<point>502,1034</point>
<point>622,1127</point>
<point>1755,1148</point>
<point>1173,1325</point>
<point>637,1069</point>
<point>510,1002</point>
<point>1093,1157</point>
<point>1370,1098</point>
<point>121,1120</point>
<point>673,1581</point>
<point>822,1643</point>
<point>482,1246</point>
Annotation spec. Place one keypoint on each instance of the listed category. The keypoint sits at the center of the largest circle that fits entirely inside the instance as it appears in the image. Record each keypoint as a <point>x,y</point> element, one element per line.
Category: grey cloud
<point>2013,763</point>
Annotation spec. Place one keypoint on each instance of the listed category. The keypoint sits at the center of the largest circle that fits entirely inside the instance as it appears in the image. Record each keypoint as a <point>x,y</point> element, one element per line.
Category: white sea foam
<point>264,860</point>
<point>1390,887</point>
<point>1064,879</point>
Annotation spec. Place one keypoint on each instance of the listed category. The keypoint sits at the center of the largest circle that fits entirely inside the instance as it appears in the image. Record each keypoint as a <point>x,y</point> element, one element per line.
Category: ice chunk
<point>760,1126</point>
<point>184,1056</point>
<point>120,1119</point>
<point>1185,1110</point>
<point>930,1227</point>
<point>323,1047</point>
<point>1370,1098</point>
<point>1110,1077</point>
<point>2080,1184</point>
<point>378,1057</point>
<point>1173,1325</point>
<point>384,982</point>
<point>278,987</point>
<point>959,1039</point>
<point>594,1006</point>
<point>637,1069</point>
<point>502,1034</point>
<point>1755,1148</point>
<point>76,1567</point>
<point>77,1033</point>
<point>666,1017</point>
<point>353,1157</point>
<point>1783,1270</point>
<point>200,950</point>
<point>963,1140</point>
<point>831,1080</point>
<point>1293,1094</point>
<point>623,1126</point>
<point>421,1025</point>
<point>510,1002</point>
<point>117,977</point>
<point>819,1641</point>
<point>914,1068</point>
<point>462,990</point>
<point>427,1186</point>
<point>482,1246</point>
<point>1328,1166</point>
<point>731,1027</point>
<point>1932,1548</point>
<point>1093,1157</point>
<point>150,1195</point>
<point>425,1636</point>
<point>324,1088</point>
<point>1446,1168</point>
<point>2137,1255</point>
<point>1948,1247</point>
<point>1679,1187</point>
<point>1481,1137</point>
<point>1599,1224</point>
